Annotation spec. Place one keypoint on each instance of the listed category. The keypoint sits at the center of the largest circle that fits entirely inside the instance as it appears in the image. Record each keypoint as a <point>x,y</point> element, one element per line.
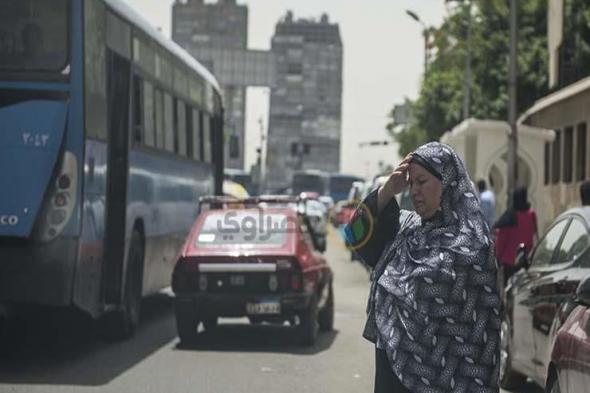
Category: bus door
<point>118,90</point>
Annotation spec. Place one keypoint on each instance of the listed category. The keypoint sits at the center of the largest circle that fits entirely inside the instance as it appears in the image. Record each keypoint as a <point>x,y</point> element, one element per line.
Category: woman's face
<point>425,191</point>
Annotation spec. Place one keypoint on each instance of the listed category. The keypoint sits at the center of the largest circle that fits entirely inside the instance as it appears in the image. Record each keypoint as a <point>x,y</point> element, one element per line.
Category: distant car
<point>569,370</point>
<point>327,201</point>
<point>312,208</point>
<point>260,259</point>
<point>536,298</point>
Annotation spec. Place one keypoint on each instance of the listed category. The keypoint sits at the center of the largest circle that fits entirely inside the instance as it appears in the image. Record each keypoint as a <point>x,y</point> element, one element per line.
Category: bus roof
<point>132,16</point>
<point>345,176</point>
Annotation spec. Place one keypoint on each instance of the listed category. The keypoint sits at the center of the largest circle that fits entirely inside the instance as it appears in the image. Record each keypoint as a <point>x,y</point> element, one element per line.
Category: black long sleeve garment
<point>369,231</point>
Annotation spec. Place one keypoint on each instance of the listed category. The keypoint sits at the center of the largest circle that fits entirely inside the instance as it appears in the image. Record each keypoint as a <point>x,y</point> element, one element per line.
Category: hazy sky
<point>383,63</point>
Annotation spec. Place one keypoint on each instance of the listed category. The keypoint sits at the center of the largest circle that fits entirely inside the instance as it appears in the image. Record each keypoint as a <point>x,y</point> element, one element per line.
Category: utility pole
<point>512,109</point>
<point>262,156</point>
<point>467,86</point>
<point>426,34</point>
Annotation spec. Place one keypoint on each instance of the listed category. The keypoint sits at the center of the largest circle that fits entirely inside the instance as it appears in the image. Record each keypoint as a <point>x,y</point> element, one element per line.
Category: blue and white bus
<point>109,134</point>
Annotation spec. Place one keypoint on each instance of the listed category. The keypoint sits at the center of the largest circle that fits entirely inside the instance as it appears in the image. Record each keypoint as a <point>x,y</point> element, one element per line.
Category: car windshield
<point>246,227</point>
<point>33,35</point>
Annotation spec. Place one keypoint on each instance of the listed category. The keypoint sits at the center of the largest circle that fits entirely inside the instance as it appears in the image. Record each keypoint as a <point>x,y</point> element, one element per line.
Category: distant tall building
<point>306,103</point>
<point>303,70</point>
<point>203,30</point>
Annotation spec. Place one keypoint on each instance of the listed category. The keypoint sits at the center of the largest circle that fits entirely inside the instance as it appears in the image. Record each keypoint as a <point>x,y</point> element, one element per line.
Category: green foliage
<point>439,106</point>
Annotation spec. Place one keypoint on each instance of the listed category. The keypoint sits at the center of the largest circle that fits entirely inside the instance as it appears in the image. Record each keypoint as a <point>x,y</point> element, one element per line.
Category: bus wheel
<point>121,324</point>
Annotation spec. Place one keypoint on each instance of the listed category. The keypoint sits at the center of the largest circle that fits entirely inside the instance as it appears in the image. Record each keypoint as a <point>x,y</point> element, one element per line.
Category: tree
<point>440,102</point>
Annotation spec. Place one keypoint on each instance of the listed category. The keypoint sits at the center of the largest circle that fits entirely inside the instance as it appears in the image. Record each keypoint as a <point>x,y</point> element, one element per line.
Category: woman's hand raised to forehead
<point>397,182</point>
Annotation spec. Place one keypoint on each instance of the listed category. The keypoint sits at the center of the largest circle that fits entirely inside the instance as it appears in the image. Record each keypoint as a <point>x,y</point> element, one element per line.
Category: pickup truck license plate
<point>272,307</point>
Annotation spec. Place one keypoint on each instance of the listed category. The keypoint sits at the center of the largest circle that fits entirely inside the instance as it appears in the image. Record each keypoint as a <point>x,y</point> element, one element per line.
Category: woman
<point>517,225</point>
<point>434,309</point>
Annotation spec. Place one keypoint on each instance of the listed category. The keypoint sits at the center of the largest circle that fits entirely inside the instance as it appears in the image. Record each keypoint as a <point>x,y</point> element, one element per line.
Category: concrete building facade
<point>306,103</point>
<point>303,70</point>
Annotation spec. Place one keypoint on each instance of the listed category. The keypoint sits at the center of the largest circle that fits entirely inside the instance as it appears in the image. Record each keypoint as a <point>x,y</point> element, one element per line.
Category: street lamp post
<point>468,57</point>
<point>512,108</point>
<point>467,95</point>
<point>415,16</point>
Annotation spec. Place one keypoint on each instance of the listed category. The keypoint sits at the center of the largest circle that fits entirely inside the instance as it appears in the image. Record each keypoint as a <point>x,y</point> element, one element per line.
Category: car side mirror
<point>522,258</point>
<point>583,292</point>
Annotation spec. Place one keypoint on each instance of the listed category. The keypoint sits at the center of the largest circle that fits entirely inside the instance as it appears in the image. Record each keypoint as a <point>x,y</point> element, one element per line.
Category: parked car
<point>536,297</point>
<point>254,257</point>
<point>569,370</point>
<point>343,212</point>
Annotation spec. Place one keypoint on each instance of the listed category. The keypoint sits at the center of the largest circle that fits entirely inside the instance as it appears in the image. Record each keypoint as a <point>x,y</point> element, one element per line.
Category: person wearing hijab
<point>517,225</point>
<point>434,309</point>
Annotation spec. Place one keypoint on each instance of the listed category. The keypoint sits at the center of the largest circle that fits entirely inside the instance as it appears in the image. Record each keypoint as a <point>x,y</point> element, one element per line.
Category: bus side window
<point>138,117</point>
<point>149,137</point>
<point>159,103</point>
<point>95,75</point>
<point>196,134</point>
<point>206,138</point>
<point>181,128</point>
<point>189,131</point>
<point>168,123</point>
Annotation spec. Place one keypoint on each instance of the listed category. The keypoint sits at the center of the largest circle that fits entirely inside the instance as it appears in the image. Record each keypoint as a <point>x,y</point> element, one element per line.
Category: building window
<point>556,148</point>
<point>582,141</point>
<point>568,154</point>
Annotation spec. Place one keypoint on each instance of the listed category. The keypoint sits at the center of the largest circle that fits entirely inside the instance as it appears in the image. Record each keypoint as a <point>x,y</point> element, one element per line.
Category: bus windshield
<point>33,35</point>
<point>342,184</point>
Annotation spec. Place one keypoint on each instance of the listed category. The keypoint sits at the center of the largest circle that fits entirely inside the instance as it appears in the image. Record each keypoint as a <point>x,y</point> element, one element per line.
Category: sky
<point>383,64</point>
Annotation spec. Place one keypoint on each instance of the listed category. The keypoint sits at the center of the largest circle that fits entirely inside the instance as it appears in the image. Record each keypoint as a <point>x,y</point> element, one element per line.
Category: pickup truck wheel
<point>308,324</point>
<point>509,379</point>
<point>326,315</point>
<point>186,325</point>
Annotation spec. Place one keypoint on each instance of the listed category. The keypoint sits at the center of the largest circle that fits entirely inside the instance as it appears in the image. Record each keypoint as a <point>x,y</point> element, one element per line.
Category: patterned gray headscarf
<point>436,304</point>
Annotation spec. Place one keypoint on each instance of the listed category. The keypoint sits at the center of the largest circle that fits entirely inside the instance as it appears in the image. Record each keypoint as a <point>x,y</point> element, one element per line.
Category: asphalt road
<point>54,353</point>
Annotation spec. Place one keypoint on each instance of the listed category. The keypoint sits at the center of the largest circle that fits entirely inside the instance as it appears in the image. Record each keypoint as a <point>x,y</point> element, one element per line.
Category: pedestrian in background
<point>434,307</point>
<point>517,225</point>
<point>487,200</point>
<point>585,193</point>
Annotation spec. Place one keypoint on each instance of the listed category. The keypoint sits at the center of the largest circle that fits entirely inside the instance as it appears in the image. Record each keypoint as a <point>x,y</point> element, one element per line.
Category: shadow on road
<point>527,388</point>
<point>258,338</point>
<point>64,349</point>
